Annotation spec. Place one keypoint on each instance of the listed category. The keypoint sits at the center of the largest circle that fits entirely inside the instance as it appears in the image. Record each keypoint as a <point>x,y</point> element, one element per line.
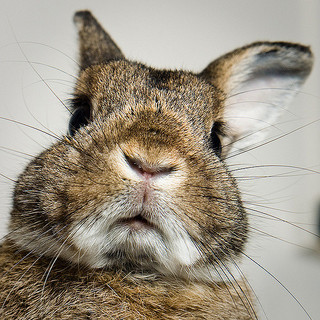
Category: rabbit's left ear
<point>259,80</point>
<point>96,46</point>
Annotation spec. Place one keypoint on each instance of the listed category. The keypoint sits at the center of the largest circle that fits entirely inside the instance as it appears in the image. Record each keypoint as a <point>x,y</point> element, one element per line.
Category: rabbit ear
<point>259,80</point>
<point>96,46</point>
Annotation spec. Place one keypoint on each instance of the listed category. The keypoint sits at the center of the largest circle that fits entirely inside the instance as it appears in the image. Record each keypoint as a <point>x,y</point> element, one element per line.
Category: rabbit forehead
<point>117,84</point>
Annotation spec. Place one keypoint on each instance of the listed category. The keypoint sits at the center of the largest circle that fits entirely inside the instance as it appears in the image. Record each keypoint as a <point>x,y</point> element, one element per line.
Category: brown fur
<point>78,293</point>
<point>148,152</point>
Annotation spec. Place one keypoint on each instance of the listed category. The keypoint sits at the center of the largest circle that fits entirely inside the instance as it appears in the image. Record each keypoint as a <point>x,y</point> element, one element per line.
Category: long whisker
<point>280,283</point>
<point>28,155</point>
<point>36,71</point>
<point>246,281</point>
<point>295,91</point>
<point>31,127</point>
<point>273,139</point>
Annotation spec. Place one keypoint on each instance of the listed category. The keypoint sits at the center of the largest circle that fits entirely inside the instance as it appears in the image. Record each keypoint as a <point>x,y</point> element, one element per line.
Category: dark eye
<point>80,117</point>
<point>215,141</point>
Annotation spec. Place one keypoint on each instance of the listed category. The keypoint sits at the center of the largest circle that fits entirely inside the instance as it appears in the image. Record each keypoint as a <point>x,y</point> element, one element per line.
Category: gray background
<point>181,34</point>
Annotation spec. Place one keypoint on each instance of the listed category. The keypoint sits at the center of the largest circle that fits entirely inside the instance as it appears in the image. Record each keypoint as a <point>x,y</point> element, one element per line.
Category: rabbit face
<point>140,184</point>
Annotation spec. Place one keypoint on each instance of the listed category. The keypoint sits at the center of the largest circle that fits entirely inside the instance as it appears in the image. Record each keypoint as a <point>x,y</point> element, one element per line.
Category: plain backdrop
<point>38,52</point>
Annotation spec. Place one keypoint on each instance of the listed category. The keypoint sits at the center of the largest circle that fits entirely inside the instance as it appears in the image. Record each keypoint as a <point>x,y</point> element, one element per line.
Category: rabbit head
<point>140,182</point>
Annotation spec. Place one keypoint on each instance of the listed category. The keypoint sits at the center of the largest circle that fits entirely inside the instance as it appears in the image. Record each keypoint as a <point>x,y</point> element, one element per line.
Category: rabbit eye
<point>215,142</point>
<point>80,117</point>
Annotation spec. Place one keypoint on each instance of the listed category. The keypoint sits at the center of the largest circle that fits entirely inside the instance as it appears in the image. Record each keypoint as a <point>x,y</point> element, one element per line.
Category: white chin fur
<point>170,248</point>
<point>168,251</point>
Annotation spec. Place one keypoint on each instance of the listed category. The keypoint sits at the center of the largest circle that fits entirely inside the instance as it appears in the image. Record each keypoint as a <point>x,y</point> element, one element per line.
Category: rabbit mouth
<point>137,223</point>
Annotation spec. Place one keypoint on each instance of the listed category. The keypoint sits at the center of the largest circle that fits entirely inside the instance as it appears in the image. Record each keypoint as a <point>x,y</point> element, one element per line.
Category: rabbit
<point>134,213</point>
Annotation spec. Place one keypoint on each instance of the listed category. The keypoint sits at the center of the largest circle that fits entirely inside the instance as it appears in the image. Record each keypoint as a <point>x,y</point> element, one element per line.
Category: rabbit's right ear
<point>258,80</point>
<point>96,46</point>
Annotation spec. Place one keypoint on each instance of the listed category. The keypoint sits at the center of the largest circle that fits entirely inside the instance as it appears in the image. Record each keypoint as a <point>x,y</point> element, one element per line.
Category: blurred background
<point>38,50</point>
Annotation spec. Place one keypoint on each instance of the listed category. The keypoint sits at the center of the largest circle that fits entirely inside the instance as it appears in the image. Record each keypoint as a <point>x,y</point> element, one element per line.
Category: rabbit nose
<point>146,170</point>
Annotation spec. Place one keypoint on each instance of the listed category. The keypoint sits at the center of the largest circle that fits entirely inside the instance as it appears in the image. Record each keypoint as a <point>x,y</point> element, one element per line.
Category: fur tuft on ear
<point>96,46</point>
<point>259,80</point>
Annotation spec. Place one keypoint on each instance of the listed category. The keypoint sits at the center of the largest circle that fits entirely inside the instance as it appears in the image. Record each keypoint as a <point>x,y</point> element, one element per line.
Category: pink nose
<point>146,170</point>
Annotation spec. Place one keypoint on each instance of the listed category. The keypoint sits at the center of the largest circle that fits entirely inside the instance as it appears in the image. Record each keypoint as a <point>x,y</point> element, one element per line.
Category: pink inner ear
<point>255,104</point>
